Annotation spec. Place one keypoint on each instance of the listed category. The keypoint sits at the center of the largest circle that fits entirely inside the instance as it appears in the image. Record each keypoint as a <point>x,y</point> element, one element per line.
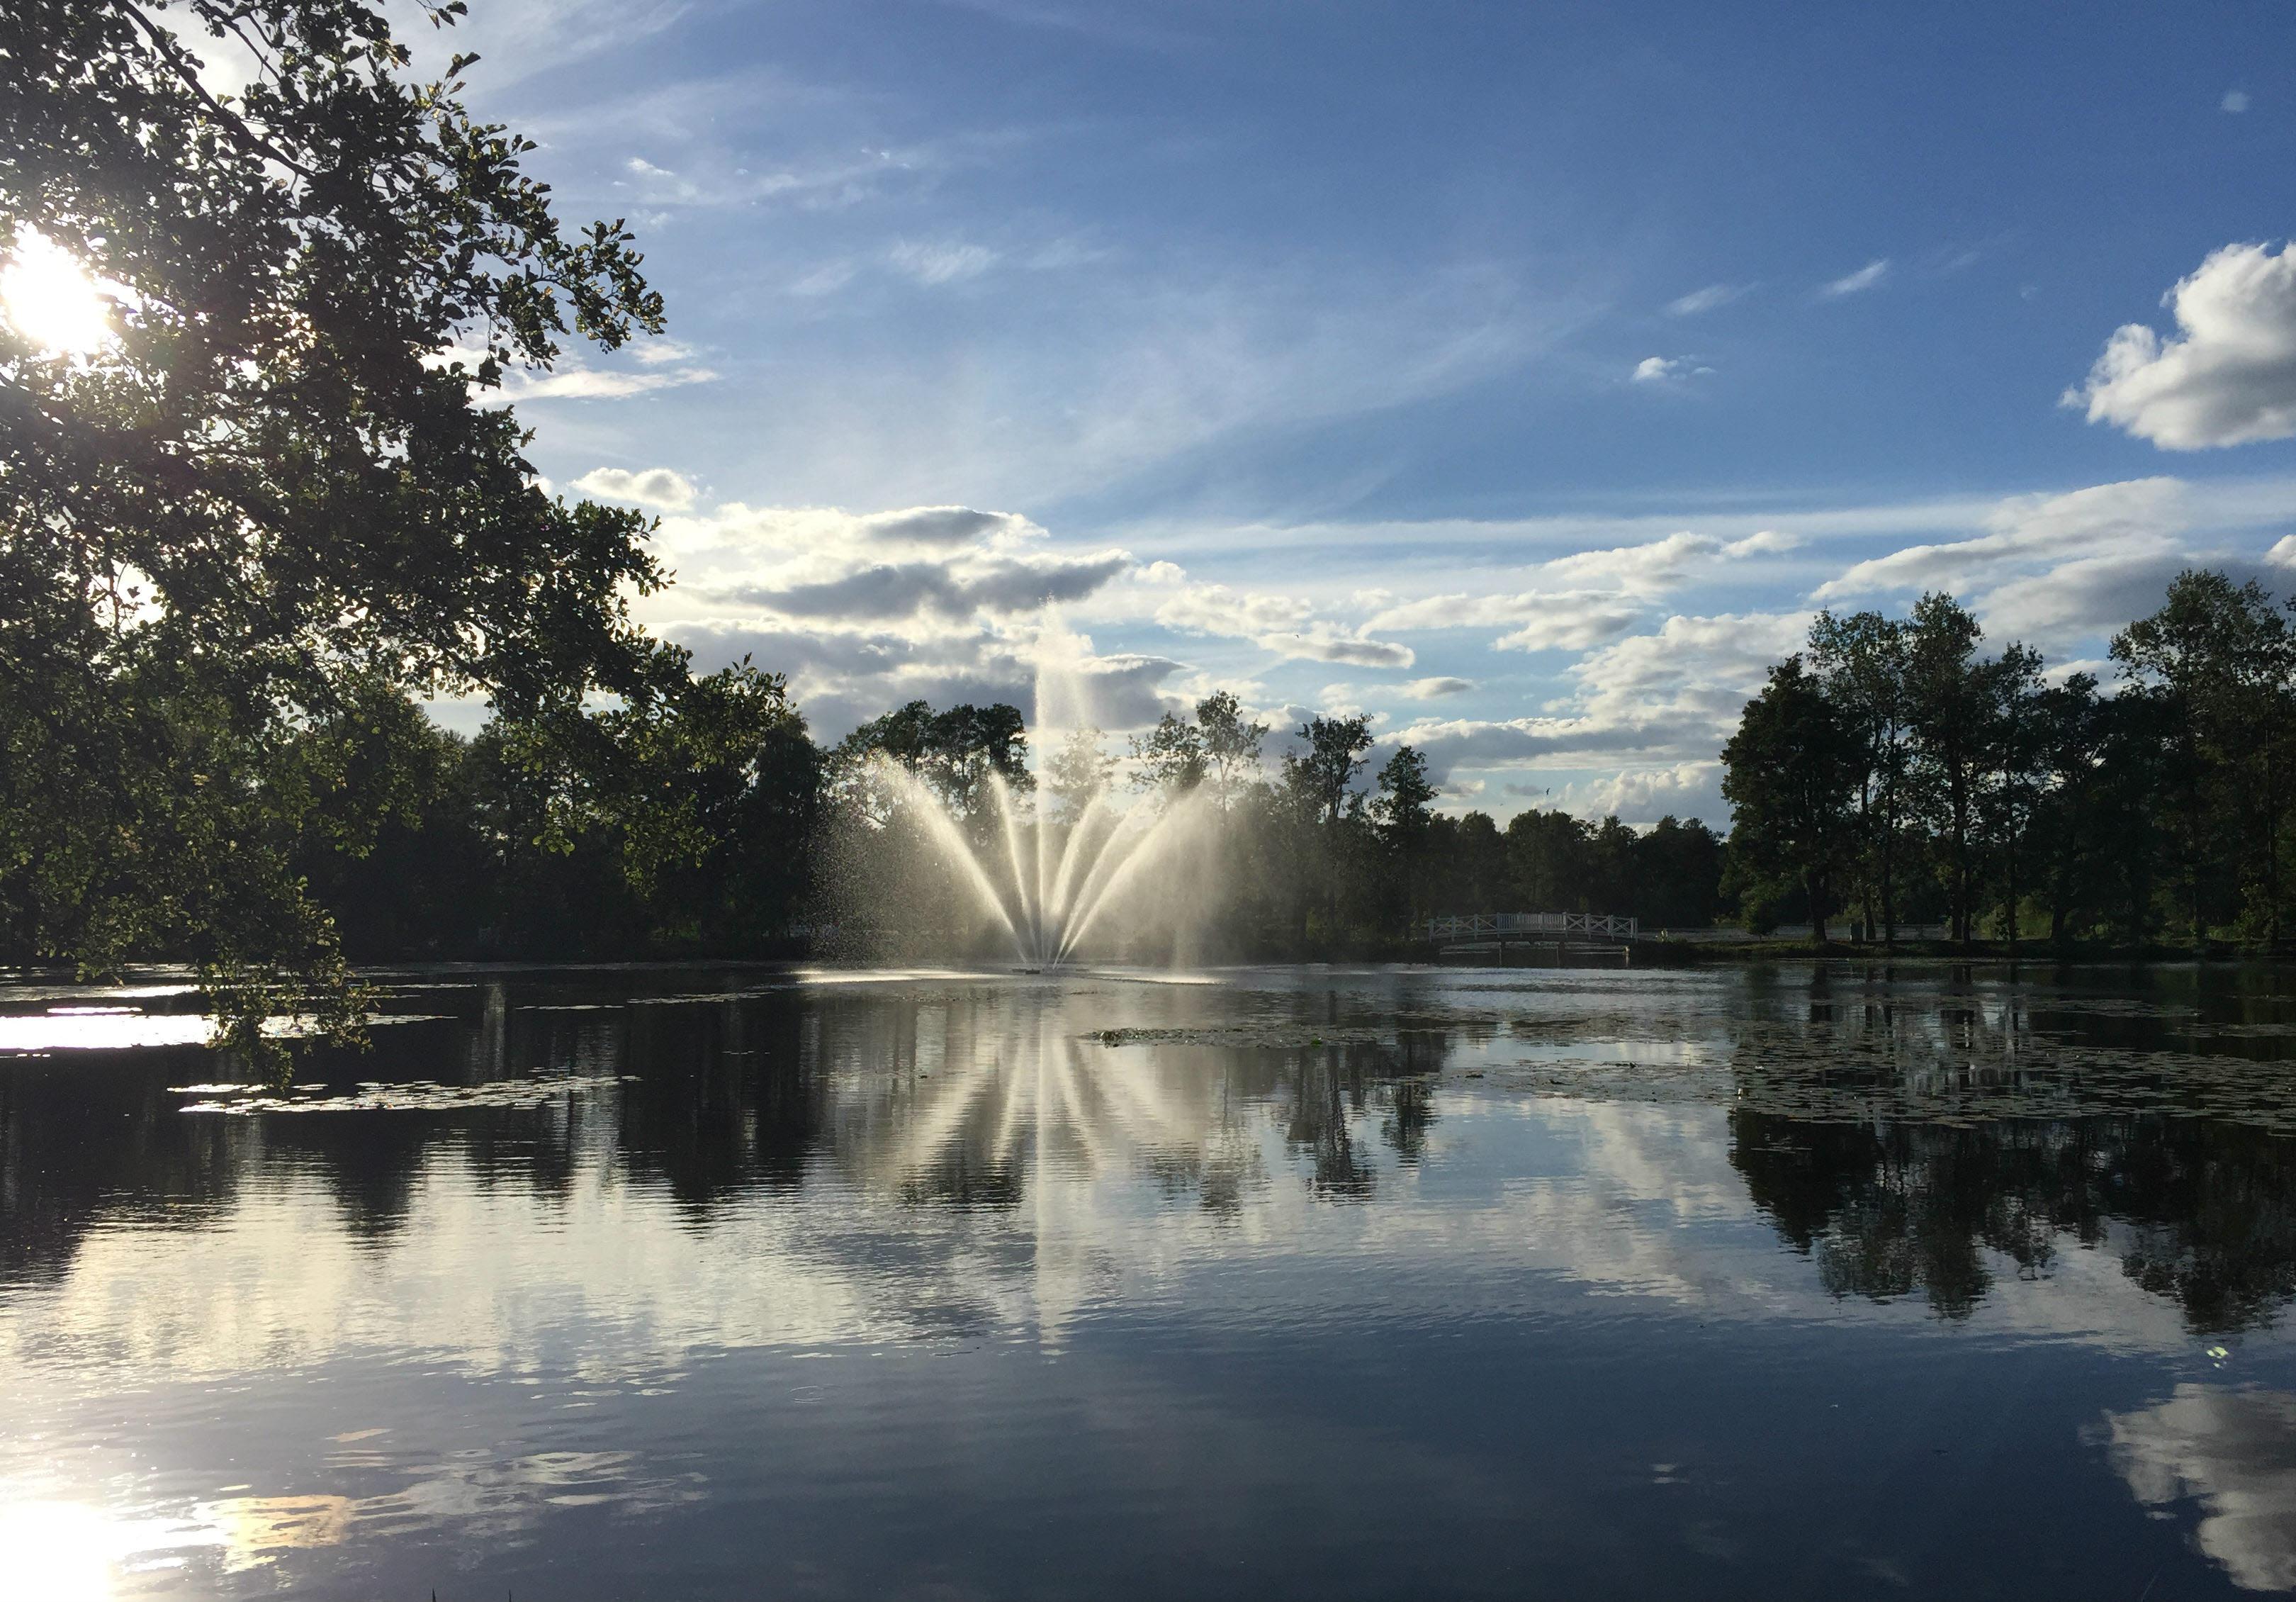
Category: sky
<point>1523,376</point>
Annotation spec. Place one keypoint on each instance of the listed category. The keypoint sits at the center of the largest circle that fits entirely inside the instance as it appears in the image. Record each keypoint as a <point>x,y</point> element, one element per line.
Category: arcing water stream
<point>1049,882</point>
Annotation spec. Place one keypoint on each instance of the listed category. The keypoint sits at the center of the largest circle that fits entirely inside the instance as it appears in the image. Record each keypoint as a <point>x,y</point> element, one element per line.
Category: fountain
<point>1047,882</point>
<point>1047,876</point>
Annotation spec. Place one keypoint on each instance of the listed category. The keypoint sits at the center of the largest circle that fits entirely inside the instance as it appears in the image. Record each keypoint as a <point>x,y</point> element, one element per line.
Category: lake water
<point>1334,1283</point>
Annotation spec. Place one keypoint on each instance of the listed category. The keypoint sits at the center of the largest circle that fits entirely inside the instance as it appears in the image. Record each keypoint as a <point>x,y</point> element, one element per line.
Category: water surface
<point>599,1283</point>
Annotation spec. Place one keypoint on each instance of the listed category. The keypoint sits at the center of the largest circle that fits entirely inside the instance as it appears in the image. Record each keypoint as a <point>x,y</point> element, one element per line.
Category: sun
<point>50,299</point>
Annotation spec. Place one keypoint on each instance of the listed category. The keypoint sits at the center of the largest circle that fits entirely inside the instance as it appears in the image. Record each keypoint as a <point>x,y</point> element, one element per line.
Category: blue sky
<point>1520,375</point>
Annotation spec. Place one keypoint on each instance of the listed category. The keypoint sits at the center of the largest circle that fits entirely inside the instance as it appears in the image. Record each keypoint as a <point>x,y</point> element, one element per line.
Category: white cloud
<point>1584,599</point>
<point>1435,689</point>
<point>2283,553</point>
<point>2226,377</point>
<point>2236,101</point>
<point>1694,669</point>
<point>2140,516</point>
<point>1705,300</point>
<point>1283,624</point>
<point>1867,277</point>
<point>1670,698</point>
<point>1641,796</point>
<point>658,487</point>
<point>1667,370</point>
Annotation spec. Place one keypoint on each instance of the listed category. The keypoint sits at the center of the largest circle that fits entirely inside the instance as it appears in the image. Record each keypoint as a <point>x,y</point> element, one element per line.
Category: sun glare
<point>50,299</point>
<point>56,1551</point>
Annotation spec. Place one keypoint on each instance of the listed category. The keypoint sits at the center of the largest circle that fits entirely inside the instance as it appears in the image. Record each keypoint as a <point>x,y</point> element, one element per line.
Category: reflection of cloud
<point>2232,1451</point>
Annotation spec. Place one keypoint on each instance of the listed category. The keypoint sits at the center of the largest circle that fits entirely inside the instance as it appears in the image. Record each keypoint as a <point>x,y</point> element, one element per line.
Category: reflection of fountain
<point>1049,882</point>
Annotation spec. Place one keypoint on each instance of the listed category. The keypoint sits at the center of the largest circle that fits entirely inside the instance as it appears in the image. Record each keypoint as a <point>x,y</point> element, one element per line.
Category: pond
<point>1785,1281</point>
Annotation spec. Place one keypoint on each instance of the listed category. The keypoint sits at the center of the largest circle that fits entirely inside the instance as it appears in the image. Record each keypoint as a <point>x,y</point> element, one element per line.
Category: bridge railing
<point>1497,925</point>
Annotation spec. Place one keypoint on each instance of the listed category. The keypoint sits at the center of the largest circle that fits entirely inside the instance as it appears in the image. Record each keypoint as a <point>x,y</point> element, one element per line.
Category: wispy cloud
<point>1705,300</point>
<point>1868,276</point>
<point>942,263</point>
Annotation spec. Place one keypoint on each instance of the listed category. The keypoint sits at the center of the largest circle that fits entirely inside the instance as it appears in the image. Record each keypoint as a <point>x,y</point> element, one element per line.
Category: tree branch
<point>172,52</point>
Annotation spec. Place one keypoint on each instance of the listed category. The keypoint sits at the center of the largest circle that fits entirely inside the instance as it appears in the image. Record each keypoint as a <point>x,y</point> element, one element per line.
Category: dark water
<point>1321,1283</point>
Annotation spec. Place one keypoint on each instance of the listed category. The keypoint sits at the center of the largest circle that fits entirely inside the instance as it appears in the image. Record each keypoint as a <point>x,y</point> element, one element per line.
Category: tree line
<point>1894,772</point>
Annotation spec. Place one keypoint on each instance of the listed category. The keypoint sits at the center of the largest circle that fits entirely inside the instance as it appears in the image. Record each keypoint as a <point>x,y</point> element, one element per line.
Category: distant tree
<point>1325,771</point>
<point>957,754</point>
<point>2069,829</point>
<point>1680,874</point>
<point>2018,757</point>
<point>1791,773</point>
<point>1950,717</point>
<point>703,791</point>
<point>1548,861</point>
<point>1078,773</point>
<point>1400,809</point>
<point>1168,759</point>
<point>1404,824</point>
<point>1861,661</point>
<point>1230,746</point>
<point>2222,656</point>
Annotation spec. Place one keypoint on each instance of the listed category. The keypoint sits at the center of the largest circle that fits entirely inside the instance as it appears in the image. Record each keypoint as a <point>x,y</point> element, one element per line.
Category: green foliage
<point>1168,759</point>
<point>268,502</point>
<point>1791,774</point>
<point>2165,805</point>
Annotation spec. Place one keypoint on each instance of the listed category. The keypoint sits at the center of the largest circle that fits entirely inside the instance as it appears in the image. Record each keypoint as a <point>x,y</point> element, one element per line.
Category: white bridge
<point>1484,927</point>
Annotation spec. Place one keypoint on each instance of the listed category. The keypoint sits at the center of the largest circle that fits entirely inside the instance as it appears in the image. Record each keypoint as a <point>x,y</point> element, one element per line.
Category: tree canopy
<point>285,482</point>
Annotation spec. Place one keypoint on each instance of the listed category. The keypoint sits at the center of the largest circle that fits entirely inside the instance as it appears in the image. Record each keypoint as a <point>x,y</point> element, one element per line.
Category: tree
<point>1325,772</point>
<point>2018,757</point>
<point>702,789</point>
<point>1401,809</point>
<point>2070,819</point>
<point>1861,661</point>
<point>1948,715</point>
<point>959,755</point>
<point>1230,746</point>
<point>1548,861</point>
<point>1078,773</point>
<point>2223,657</point>
<point>267,491</point>
<point>1169,759</point>
<point>1791,772</point>
<point>1403,822</point>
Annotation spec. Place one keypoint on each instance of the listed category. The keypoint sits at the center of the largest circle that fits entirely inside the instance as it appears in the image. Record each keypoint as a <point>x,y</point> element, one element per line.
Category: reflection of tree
<point>1993,1125</point>
<point>2214,1210</point>
<point>726,1096</point>
<point>369,1160</point>
<point>94,1137</point>
<point>2198,1210</point>
<point>946,1100</point>
<point>1908,1207</point>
